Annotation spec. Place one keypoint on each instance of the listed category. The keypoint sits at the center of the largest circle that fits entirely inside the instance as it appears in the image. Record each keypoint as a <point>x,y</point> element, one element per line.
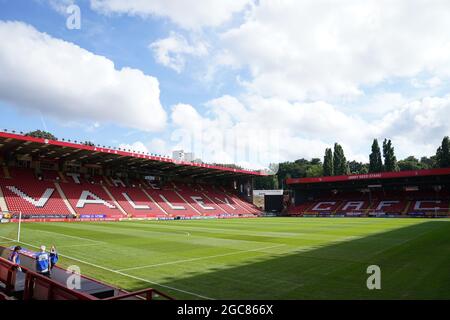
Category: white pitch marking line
<point>5,243</point>
<point>74,237</point>
<point>79,245</point>
<point>125,274</point>
<point>200,258</point>
<point>10,240</point>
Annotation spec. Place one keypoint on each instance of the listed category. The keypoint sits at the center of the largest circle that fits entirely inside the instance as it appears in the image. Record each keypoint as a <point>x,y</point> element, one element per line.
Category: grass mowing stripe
<point>8,239</point>
<point>74,237</point>
<point>321,259</point>
<point>79,245</point>
<point>200,258</point>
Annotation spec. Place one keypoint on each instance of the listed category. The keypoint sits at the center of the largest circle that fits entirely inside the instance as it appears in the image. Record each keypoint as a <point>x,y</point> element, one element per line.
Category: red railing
<point>8,275</point>
<point>145,294</point>
<point>39,287</point>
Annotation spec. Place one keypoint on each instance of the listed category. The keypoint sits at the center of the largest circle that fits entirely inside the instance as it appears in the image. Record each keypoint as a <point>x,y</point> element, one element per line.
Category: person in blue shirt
<point>14,257</point>
<point>43,262</point>
<point>53,257</point>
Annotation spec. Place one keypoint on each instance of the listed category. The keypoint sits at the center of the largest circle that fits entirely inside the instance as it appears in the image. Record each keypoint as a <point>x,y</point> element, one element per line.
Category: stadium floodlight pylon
<point>10,226</point>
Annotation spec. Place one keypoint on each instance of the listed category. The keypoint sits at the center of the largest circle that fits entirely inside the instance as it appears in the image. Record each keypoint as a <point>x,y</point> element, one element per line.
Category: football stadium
<point>188,154</point>
<point>189,231</point>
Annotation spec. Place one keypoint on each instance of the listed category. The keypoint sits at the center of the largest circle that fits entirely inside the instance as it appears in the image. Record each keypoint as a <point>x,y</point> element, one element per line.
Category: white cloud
<point>418,126</point>
<point>137,146</point>
<point>58,78</point>
<point>159,146</point>
<point>60,6</point>
<point>320,49</point>
<point>259,130</point>
<point>171,51</point>
<point>188,14</point>
<point>432,82</point>
<point>379,104</point>
<point>154,146</point>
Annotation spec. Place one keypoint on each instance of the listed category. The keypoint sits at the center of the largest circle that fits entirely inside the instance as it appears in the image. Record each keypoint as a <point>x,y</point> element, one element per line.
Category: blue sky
<point>249,82</point>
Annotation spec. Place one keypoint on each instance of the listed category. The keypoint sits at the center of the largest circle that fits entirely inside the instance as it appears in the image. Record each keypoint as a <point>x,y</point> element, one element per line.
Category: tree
<point>375,163</point>
<point>300,168</point>
<point>410,163</point>
<point>443,153</point>
<point>339,161</point>
<point>358,167</point>
<point>328,163</point>
<point>314,170</point>
<point>390,161</point>
<point>428,163</point>
<point>41,134</point>
<point>266,183</point>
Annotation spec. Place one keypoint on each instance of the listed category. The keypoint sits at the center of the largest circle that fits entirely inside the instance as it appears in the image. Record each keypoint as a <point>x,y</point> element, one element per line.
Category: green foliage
<point>390,161</point>
<point>339,161</point>
<point>300,168</point>
<point>429,163</point>
<point>412,163</point>
<point>41,134</point>
<point>328,163</point>
<point>443,153</point>
<point>336,163</point>
<point>375,163</point>
<point>358,167</point>
<point>266,183</point>
<point>315,170</point>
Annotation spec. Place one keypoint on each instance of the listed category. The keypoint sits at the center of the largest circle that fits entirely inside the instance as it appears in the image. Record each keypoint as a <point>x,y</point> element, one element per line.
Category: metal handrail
<point>149,293</point>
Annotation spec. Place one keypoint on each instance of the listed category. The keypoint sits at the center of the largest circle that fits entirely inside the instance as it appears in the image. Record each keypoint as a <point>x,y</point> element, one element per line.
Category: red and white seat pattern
<point>91,199</point>
<point>112,198</point>
<point>26,194</point>
<point>229,203</point>
<point>389,205</point>
<point>136,202</point>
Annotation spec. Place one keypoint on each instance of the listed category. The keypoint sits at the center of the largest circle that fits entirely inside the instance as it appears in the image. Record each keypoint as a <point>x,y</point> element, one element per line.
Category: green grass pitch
<point>264,258</point>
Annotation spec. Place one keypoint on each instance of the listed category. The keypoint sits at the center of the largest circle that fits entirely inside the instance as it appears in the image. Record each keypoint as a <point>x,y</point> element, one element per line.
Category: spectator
<point>43,262</point>
<point>14,257</point>
<point>53,257</point>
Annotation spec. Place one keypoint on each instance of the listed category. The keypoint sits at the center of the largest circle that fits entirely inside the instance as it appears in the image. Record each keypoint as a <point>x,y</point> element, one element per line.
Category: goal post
<point>10,227</point>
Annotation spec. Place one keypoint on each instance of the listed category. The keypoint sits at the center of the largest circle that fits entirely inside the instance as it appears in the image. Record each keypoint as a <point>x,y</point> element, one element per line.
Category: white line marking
<point>200,258</point>
<point>5,243</point>
<point>8,239</point>
<point>74,237</point>
<point>79,245</point>
<point>124,274</point>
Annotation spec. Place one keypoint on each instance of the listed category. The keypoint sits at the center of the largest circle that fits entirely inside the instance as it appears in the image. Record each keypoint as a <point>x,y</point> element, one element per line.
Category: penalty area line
<point>125,274</point>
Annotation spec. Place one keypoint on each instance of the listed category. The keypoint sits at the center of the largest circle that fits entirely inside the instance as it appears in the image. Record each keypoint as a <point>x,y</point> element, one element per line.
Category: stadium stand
<point>413,193</point>
<point>136,202</point>
<point>88,199</point>
<point>67,181</point>
<point>23,192</point>
<point>198,201</point>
